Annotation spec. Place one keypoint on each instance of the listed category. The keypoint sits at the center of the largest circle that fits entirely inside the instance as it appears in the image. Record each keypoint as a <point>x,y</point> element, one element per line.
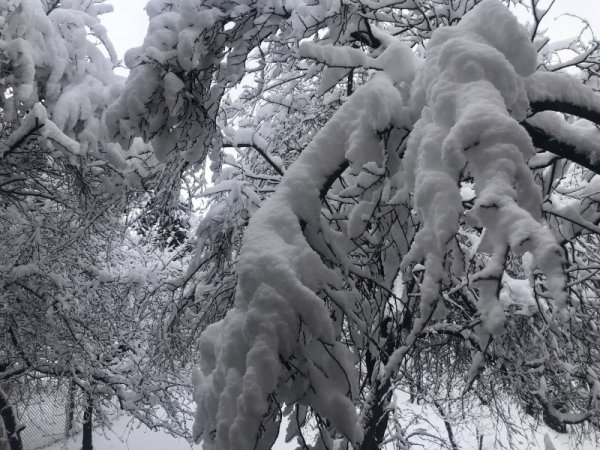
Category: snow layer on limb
<point>470,96</point>
<point>562,92</point>
<point>280,328</point>
<point>53,61</point>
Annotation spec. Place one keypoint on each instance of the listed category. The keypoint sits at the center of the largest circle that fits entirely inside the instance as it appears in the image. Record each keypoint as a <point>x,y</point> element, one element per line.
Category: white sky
<point>564,26</point>
<point>127,24</point>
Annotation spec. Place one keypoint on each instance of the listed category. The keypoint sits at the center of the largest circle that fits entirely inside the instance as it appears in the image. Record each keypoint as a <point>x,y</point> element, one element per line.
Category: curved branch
<point>554,91</point>
<point>593,115</point>
<point>542,139</point>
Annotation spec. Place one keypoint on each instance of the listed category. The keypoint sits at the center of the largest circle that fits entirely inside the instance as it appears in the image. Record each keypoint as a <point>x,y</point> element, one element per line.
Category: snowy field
<point>129,435</point>
<point>126,434</point>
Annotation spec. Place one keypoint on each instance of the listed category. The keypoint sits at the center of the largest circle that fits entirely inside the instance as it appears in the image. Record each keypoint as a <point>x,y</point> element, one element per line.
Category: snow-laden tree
<point>80,293</point>
<point>420,182</point>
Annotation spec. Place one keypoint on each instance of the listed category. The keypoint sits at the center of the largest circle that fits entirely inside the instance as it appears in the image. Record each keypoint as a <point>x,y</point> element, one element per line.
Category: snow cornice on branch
<point>279,272</point>
<point>585,112</point>
<point>560,92</point>
<point>564,94</point>
<point>544,139</point>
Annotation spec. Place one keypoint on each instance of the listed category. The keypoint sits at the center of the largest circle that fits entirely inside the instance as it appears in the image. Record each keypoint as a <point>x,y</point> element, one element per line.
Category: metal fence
<point>46,409</point>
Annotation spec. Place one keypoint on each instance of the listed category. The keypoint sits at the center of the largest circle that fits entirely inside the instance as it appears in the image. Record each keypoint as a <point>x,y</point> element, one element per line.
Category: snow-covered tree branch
<point>396,218</point>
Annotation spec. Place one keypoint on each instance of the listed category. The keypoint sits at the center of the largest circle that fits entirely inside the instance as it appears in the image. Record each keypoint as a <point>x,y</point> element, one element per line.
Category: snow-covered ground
<point>126,434</point>
<point>525,434</point>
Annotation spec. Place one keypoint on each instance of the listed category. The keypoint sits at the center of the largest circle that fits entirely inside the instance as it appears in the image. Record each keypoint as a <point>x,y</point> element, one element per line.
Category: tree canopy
<point>392,202</point>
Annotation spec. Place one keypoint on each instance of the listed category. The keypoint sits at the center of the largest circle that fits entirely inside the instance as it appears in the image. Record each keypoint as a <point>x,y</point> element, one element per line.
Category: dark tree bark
<point>70,409</point>
<point>377,419</point>
<point>444,417</point>
<point>544,139</point>
<point>86,443</point>
<point>13,432</point>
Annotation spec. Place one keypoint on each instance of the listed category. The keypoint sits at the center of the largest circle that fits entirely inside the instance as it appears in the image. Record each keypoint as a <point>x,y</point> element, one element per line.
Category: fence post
<point>88,424</point>
<point>70,409</point>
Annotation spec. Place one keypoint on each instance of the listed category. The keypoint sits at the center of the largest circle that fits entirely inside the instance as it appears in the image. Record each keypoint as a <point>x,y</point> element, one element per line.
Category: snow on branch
<point>278,340</point>
<point>581,57</point>
<point>471,96</point>
<point>562,93</point>
<point>37,122</point>
<point>552,133</point>
<point>469,118</point>
<point>334,56</point>
<point>250,138</point>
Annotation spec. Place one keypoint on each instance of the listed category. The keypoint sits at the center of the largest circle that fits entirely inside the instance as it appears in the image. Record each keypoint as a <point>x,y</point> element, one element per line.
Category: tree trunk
<point>377,421</point>
<point>377,418</point>
<point>444,417</point>
<point>9,419</point>
<point>70,409</point>
<point>86,443</point>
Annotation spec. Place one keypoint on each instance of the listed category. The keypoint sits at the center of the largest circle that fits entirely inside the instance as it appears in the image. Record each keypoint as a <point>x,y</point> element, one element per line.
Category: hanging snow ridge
<point>60,79</point>
<point>277,312</point>
<point>470,96</point>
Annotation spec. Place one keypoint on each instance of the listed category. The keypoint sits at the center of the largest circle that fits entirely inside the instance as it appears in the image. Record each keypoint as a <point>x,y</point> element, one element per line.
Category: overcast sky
<point>127,24</point>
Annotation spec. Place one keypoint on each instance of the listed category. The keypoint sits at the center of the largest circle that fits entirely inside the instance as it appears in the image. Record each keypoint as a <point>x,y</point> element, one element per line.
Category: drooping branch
<point>287,288</point>
<point>564,94</point>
